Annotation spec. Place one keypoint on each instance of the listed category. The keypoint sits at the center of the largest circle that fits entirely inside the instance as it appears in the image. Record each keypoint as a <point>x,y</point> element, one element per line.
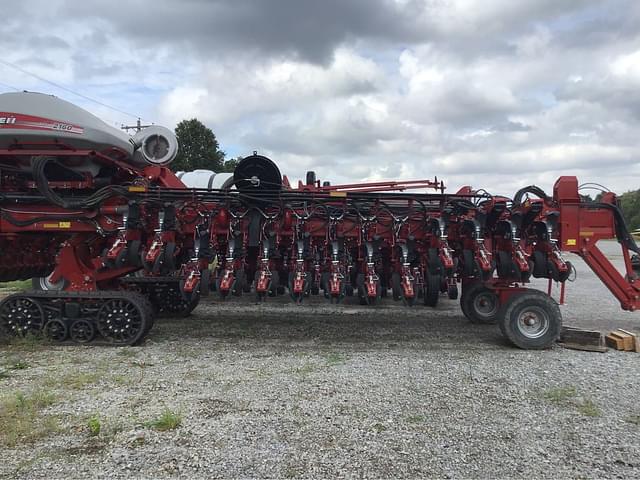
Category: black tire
<point>396,287</point>
<point>480,304</point>
<point>275,284</point>
<point>205,282</point>
<point>432,289</point>
<point>539,265</point>
<point>82,331</point>
<point>531,320</point>
<point>452,292</point>
<point>237,287</point>
<point>56,330</point>
<point>507,269</point>
<point>133,253</point>
<point>169,257</point>
<point>192,296</point>
<point>123,320</point>
<point>21,316</point>
<point>468,264</point>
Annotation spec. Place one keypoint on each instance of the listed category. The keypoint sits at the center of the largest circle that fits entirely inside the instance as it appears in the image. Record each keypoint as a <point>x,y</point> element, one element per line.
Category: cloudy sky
<point>493,93</point>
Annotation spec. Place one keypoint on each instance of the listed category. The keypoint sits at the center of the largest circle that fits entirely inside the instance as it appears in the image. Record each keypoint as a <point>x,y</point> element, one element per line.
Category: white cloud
<point>496,93</point>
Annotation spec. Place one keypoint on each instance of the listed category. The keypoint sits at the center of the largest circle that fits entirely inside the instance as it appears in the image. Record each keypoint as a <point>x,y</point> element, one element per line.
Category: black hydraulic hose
<point>537,191</point>
<point>622,230</point>
<point>38,165</point>
<point>25,223</point>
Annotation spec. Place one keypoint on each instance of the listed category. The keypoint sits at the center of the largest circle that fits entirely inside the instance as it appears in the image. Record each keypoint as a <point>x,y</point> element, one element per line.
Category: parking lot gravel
<point>317,391</point>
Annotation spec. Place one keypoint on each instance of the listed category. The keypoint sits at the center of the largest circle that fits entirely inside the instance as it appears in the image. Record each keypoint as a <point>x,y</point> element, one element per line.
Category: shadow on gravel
<point>372,328</point>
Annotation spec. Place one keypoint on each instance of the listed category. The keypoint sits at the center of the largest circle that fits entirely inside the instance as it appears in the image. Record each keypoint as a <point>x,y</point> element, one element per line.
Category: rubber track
<point>101,295</point>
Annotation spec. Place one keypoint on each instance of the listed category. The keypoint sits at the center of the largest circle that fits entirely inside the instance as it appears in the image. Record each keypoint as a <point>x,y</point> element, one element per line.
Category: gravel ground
<point>288,391</point>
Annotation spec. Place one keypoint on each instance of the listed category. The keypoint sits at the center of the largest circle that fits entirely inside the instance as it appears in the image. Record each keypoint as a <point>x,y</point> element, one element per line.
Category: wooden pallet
<point>623,340</point>
<point>580,339</point>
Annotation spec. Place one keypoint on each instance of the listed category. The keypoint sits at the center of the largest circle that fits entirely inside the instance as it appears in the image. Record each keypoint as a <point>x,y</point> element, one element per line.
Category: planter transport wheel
<point>480,304</point>
<point>532,320</point>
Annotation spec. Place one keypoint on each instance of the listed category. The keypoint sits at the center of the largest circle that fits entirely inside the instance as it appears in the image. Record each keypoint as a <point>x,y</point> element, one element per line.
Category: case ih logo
<point>20,121</point>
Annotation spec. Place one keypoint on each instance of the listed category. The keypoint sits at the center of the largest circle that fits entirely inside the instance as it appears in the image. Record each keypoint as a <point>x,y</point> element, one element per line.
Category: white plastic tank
<point>206,179</point>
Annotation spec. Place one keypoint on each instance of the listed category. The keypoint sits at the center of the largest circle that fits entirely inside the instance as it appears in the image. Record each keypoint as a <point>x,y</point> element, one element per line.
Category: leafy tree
<point>230,165</point>
<point>630,203</point>
<point>199,147</point>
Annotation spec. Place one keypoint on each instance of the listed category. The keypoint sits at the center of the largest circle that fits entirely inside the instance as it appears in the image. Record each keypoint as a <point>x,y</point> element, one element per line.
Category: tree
<point>198,148</point>
<point>630,203</point>
<point>230,165</point>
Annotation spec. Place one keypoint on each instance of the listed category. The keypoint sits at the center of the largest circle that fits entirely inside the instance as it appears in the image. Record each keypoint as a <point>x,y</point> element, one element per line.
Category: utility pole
<point>138,126</point>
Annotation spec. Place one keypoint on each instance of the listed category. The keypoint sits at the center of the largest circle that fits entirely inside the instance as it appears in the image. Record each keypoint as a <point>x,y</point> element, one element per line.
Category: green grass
<point>22,420</point>
<point>560,395</point>
<point>567,396</point>
<point>416,419</point>
<point>588,408</point>
<point>94,426</point>
<point>634,419</point>
<point>73,381</point>
<point>335,358</point>
<point>27,343</point>
<point>16,285</point>
<point>168,420</point>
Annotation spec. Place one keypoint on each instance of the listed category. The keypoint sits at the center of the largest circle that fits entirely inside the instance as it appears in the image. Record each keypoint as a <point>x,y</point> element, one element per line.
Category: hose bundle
<point>38,165</point>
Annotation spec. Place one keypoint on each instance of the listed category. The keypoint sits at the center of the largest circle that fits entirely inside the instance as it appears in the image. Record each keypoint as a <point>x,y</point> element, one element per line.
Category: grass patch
<point>73,381</point>
<point>27,343</point>
<point>335,358</point>
<point>560,395</point>
<point>634,419</point>
<point>305,369</point>
<point>168,420</point>
<point>568,396</point>
<point>127,352</point>
<point>416,419</point>
<point>16,285</point>
<point>379,427</point>
<point>588,408</point>
<point>94,426</point>
<point>21,418</point>
<point>17,365</point>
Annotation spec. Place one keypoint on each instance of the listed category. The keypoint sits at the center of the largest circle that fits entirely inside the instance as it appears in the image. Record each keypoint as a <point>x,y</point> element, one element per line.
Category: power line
<point>61,87</point>
<point>137,127</point>
<point>9,86</point>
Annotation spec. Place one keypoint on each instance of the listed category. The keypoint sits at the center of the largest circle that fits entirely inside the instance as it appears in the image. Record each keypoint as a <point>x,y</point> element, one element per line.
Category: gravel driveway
<point>277,390</point>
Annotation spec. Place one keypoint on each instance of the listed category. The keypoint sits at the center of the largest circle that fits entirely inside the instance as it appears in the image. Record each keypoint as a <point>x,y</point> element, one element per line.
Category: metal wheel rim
<point>46,284</point>
<point>120,320</point>
<point>533,322</point>
<point>485,304</point>
<point>56,330</point>
<point>82,331</point>
<point>21,315</point>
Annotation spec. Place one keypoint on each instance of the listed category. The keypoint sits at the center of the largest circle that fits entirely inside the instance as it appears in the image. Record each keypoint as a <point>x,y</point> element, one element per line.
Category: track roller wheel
<point>56,330</point>
<point>480,304</point>
<point>82,331</point>
<point>20,315</point>
<point>432,289</point>
<point>531,320</point>
<point>123,320</point>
